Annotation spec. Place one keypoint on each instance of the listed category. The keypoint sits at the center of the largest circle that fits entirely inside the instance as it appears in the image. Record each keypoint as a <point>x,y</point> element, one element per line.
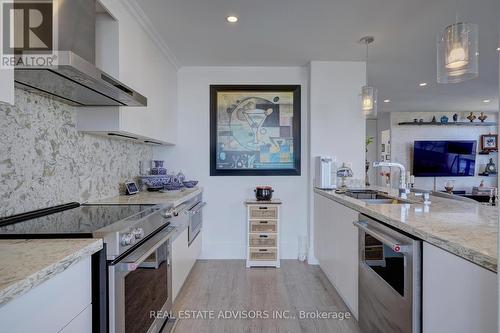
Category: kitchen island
<point>465,229</point>
<point>459,254</point>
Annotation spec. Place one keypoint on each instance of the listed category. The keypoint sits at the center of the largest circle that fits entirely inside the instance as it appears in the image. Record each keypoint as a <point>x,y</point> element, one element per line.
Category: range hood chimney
<point>76,80</point>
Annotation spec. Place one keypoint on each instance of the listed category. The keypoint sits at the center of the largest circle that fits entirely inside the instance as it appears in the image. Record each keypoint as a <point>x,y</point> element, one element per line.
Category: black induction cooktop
<point>69,220</point>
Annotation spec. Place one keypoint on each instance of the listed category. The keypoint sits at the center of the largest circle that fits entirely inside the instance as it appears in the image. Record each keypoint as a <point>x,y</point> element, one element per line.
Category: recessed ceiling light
<point>387,100</point>
<point>422,84</point>
<point>498,48</point>
<point>232,19</point>
<point>486,100</point>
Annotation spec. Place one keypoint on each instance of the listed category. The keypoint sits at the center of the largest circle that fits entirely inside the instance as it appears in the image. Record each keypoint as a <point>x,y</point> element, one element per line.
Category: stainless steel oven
<point>195,220</point>
<point>140,286</point>
<point>389,279</point>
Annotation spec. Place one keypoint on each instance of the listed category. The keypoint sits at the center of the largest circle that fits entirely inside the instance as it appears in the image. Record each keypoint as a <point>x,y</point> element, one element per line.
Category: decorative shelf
<point>487,153</point>
<point>452,123</point>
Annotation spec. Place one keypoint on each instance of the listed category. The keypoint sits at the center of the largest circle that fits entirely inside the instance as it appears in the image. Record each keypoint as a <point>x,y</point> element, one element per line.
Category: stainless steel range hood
<point>76,80</point>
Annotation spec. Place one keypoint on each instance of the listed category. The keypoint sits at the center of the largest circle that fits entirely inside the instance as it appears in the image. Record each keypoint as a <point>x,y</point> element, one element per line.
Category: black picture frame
<point>484,144</point>
<point>296,130</point>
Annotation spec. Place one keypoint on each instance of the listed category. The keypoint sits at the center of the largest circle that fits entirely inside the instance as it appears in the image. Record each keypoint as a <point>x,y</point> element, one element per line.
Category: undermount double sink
<point>372,197</point>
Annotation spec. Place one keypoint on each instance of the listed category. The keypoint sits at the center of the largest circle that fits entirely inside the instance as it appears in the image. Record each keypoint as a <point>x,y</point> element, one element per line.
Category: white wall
<point>336,120</point>
<point>402,138</point>
<point>224,216</point>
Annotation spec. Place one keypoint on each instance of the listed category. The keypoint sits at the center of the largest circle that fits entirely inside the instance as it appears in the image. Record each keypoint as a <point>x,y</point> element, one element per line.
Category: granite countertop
<point>465,229</point>
<point>25,264</point>
<point>152,198</point>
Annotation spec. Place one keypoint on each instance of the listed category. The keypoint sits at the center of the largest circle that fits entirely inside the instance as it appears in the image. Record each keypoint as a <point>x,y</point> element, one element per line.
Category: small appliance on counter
<point>263,193</point>
<point>323,173</point>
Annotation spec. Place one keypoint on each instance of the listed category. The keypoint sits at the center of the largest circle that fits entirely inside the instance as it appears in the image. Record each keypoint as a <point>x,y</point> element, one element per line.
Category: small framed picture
<point>131,188</point>
<point>383,148</point>
<point>489,142</point>
<point>387,157</point>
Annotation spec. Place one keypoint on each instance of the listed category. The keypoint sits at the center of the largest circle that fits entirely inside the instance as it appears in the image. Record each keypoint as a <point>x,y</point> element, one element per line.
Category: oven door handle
<point>139,255</point>
<point>387,240</point>
<point>197,208</point>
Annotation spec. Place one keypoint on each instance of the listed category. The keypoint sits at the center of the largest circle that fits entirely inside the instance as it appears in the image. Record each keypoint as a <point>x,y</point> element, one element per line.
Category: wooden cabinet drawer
<point>263,240</point>
<point>263,212</point>
<point>263,226</point>
<point>262,254</point>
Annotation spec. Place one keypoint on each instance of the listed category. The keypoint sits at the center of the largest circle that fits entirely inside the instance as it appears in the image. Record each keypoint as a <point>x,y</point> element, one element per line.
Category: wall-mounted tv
<point>444,158</point>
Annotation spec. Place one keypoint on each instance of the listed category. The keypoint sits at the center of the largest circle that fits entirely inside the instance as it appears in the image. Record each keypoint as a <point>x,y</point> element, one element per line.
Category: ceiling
<point>294,32</point>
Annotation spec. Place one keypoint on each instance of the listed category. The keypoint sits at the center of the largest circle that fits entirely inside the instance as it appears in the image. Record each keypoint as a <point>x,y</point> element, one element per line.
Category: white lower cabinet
<point>81,324</point>
<point>336,247</point>
<point>62,303</point>
<point>183,258</point>
<point>458,296</point>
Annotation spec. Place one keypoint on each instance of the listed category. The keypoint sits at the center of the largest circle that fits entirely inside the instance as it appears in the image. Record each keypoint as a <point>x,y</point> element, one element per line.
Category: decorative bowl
<point>153,181</point>
<point>172,186</point>
<point>190,183</point>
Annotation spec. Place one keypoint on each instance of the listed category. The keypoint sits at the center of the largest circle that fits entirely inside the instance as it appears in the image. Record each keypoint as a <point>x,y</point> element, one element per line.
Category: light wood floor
<point>227,285</point>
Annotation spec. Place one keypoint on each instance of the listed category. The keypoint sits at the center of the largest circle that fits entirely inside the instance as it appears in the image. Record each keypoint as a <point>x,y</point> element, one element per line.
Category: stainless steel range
<point>140,271</point>
<point>137,260</point>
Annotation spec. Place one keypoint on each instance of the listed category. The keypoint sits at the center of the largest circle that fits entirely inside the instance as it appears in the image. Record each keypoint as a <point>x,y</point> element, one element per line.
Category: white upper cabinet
<point>7,86</point>
<point>125,50</point>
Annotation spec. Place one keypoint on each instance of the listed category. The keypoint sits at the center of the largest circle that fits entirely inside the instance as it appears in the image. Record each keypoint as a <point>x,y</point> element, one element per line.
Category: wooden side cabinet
<point>263,225</point>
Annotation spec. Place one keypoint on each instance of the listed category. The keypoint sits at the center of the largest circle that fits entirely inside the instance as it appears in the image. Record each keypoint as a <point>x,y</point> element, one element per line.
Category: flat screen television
<point>444,158</point>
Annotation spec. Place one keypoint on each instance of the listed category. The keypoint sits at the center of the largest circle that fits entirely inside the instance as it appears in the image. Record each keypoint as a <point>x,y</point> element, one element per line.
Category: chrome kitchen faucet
<point>403,187</point>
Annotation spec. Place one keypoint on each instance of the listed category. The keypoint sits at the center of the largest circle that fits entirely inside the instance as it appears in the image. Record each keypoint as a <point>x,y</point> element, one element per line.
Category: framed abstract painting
<point>254,130</point>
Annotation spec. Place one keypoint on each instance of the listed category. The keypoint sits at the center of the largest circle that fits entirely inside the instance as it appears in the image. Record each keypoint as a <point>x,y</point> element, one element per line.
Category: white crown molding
<point>136,11</point>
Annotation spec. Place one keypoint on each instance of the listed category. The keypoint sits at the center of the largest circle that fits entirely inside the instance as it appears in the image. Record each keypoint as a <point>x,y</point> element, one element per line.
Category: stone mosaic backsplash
<point>45,161</point>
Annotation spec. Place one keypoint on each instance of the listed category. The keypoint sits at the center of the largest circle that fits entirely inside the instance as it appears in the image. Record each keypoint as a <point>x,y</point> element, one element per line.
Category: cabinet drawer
<point>263,212</point>
<point>263,240</point>
<point>263,226</point>
<point>262,254</point>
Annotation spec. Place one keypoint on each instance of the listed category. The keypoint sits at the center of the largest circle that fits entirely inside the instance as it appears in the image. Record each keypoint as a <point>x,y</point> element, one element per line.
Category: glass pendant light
<point>368,93</point>
<point>458,53</point>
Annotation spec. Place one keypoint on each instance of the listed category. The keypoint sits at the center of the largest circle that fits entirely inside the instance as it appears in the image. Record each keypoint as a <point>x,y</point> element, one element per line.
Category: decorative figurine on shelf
<point>421,120</point>
<point>455,117</point>
<point>449,186</point>
<point>482,183</point>
<point>482,117</point>
<point>444,120</point>
<point>491,168</point>
<point>433,119</point>
<point>471,117</point>
<point>415,120</point>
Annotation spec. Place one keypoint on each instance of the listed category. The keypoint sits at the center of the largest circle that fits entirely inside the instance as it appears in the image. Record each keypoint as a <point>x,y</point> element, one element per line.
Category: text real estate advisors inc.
<point>251,314</point>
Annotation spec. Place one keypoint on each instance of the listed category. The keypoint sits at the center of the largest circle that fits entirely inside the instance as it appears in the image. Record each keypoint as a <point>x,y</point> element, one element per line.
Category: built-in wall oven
<point>390,280</point>
<point>140,286</point>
